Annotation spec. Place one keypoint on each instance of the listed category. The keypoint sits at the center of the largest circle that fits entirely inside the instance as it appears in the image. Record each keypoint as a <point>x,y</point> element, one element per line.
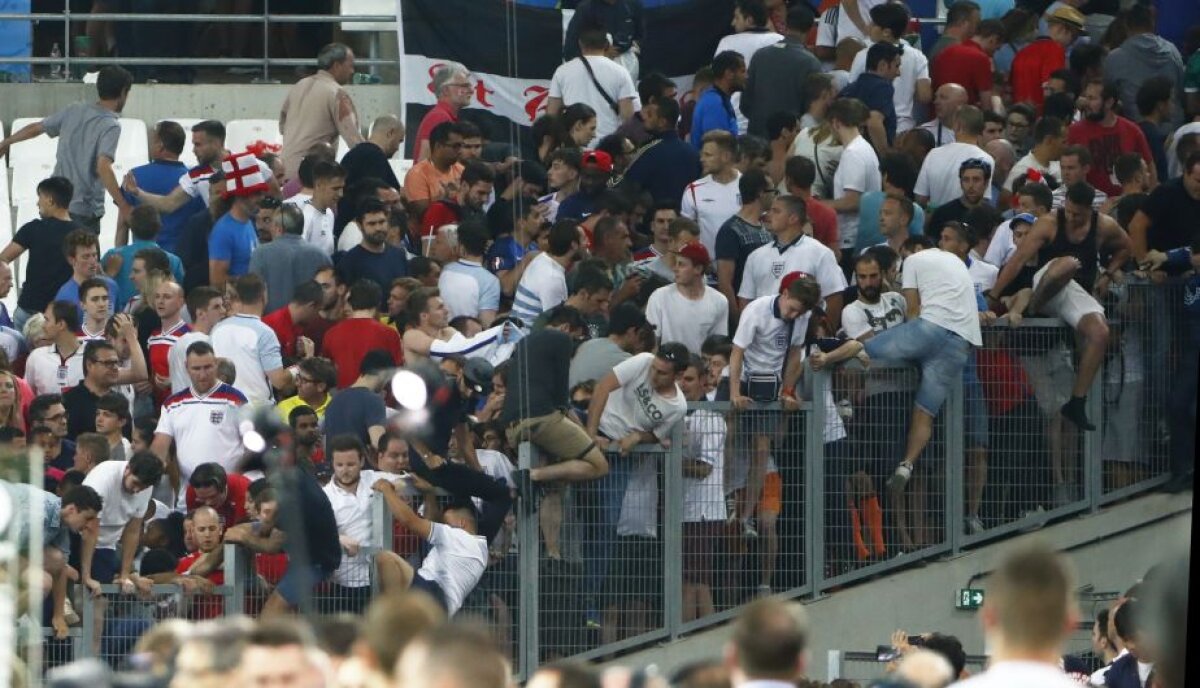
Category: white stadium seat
<point>242,132</point>
<point>108,225</point>
<point>188,156</point>
<point>26,175</point>
<point>342,149</point>
<point>133,148</point>
<point>401,168</point>
<point>40,148</point>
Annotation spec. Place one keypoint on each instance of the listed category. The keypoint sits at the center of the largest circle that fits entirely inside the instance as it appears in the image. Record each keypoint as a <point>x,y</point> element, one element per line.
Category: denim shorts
<point>300,581</point>
<point>938,352</point>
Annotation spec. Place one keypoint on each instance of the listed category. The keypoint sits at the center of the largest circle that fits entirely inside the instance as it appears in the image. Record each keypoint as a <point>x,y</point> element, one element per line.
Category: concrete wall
<point>159,101</point>
<point>1110,550</point>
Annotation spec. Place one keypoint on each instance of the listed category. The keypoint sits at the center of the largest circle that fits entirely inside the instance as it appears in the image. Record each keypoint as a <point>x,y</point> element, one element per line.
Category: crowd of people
<point>285,335</point>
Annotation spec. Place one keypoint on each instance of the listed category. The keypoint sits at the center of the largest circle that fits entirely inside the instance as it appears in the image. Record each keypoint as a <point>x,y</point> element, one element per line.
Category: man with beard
<point>1107,135</point>
<point>595,168</point>
<point>306,436</point>
<point>373,259</point>
<point>474,189</point>
<point>973,176</point>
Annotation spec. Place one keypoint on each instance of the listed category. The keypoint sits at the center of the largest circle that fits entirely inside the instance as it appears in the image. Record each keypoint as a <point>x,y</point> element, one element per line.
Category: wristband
<point>788,392</point>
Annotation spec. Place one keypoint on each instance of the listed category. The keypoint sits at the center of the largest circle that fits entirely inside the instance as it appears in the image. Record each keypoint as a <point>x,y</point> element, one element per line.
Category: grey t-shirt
<point>86,132</point>
<point>595,359</point>
<point>354,411</point>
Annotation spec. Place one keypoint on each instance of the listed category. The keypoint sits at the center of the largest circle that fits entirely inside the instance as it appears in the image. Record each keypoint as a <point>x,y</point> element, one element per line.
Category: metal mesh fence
<point>864,667</point>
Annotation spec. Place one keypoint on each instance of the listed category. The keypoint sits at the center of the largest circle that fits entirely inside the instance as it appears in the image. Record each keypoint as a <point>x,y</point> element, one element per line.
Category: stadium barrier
<point>863,667</point>
<point>646,554</point>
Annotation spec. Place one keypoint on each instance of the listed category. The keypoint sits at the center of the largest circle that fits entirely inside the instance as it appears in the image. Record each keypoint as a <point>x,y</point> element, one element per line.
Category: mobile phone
<point>916,640</point>
<point>886,653</point>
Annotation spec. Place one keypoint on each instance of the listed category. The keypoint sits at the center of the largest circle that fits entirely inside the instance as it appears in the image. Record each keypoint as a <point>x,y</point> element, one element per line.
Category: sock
<point>860,548</point>
<point>874,514</point>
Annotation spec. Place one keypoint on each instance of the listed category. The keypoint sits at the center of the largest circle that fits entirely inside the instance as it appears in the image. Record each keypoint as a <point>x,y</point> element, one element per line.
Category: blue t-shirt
<point>69,291</point>
<point>161,177</point>
<point>505,253</point>
<point>713,110</point>
<point>125,288</point>
<point>877,94</point>
<point>868,221</point>
<point>233,241</point>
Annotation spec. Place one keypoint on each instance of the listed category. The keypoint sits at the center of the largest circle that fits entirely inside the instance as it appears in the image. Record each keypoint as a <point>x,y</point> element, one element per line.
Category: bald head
<point>947,100</point>
<point>206,524</point>
<point>387,132</point>
<point>1004,154</point>
<point>925,669</point>
<point>168,301</point>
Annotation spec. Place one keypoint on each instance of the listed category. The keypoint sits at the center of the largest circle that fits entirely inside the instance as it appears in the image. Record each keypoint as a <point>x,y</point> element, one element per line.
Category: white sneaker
<point>748,530</point>
<point>974,525</point>
<point>900,478</point>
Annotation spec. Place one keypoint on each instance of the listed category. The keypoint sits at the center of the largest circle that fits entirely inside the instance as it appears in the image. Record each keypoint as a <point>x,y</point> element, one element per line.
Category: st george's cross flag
<point>512,51</point>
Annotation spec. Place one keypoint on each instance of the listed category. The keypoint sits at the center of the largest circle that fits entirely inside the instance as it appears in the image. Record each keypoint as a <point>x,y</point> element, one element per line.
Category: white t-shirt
<point>352,511</point>
<point>1001,247</point>
<point>745,43</point>
<point>543,286</point>
<point>572,84</point>
<point>178,360</point>
<point>254,349</point>
<point>859,318</point>
<point>767,265</point>
<point>456,563</point>
<point>1023,674</point>
<point>47,372</point>
<point>205,427</point>
<point>704,498</point>
<point>983,274</point>
<point>824,156</point>
<point>680,319</point>
<point>914,66</point>
<point>710,203</point>
<point>763,336</point>
<point>351,236</point>
<point>120,507</point>
<point>635,406</point>
<point>938,178</point>
<point>942,133</point>
<point>318,225</point>
<point>857,171</point>
<point>1022,166</point>
<point>946,290</point>
<point>834,25</point>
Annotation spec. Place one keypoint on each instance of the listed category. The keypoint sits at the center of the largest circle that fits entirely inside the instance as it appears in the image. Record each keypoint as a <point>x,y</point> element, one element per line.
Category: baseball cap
<point>676,353</point>
<point>478,374</point>
<point>695,252</point>
<point>1027,218</point>
<point>791,277</point>
<point>1065,14</point>
<point>597,160</point>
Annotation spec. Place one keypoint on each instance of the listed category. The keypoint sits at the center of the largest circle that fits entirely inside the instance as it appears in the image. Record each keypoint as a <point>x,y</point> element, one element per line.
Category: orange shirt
<point>425,183</point>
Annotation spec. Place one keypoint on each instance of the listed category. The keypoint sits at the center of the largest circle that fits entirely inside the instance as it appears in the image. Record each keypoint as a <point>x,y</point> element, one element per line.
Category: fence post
<point>235,578</point>
<point>814,476</point>
<point>833,665</point>
<point>528,547</point>
<point>673,532</point>
<point>1093,468</point>
<point>955,456</point>
<point>87,623</point>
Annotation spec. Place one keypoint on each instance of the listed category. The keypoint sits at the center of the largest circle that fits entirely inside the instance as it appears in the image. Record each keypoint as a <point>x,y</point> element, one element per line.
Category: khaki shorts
<point>554,434</point>
<point>1071,304</point>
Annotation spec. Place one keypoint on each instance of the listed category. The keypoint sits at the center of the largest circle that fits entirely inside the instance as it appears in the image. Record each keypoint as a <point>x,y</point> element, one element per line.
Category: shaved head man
<point>946,101</point>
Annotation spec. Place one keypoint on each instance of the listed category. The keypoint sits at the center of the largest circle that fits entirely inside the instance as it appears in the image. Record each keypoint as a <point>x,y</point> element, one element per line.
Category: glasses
<point>108,363</point>
<point>56,417</point>
<point>465,84</point>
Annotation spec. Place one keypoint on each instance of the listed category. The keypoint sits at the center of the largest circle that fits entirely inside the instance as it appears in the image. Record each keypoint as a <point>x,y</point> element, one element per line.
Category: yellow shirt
<point>288,405</point>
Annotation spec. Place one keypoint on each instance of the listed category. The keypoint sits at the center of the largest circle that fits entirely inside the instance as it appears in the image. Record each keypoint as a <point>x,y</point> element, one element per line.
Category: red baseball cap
<point>695,252</point>
<point>792,277</point>
<point>597,160</point>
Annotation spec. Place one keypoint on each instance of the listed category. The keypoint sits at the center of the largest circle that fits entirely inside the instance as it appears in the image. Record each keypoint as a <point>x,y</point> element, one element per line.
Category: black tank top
<point>1085,251</point>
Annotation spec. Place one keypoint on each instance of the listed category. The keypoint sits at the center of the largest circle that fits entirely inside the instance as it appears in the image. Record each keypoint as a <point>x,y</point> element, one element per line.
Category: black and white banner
<point>512,51</point>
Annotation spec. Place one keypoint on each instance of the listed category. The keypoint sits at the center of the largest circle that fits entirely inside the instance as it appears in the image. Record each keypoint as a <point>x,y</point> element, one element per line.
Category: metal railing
<point>647,554</point>
<point>266,19</point>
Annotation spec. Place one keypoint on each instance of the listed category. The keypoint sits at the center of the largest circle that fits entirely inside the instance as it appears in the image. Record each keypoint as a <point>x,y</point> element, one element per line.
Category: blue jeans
<point>938,352</point>
<point>975,416</point>
<point>600,521</point>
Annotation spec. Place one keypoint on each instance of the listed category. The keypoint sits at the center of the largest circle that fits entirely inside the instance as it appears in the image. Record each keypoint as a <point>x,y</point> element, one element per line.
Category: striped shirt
<point>160,344</point>
<point>204,427</point>
<point>542,287</point>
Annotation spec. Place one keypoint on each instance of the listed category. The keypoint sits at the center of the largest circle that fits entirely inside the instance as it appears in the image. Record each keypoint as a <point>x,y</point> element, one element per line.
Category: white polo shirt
<point>938,178</point>
<point>710,203</point>
<point>635,406</point>
<point>48,372</point>
<point>542,287</point>
<point>119,506</point>
<point>914,66</point>
<point>858,170</point>
<point>704,498</point>
<point>947,291</point>
<point>983,273</point>
<point>767,265</point>
<point>763,336</point>
<point>254,349</point>
<point>468,288</point>
<point>352,511</point>
<point>318,225</point>
<point>455,562</point>
<point>689,322</point>
<point>204,427</point>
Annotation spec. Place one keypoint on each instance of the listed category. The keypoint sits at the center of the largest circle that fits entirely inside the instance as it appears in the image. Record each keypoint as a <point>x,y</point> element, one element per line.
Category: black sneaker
<point>1073,411</point>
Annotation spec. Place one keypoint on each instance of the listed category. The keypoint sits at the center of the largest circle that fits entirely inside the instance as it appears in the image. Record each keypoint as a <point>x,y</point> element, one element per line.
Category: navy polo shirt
<point>161,177</point>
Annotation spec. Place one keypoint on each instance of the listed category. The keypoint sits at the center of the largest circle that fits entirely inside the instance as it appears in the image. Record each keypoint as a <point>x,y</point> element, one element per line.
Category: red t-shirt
<point>1031,68</point>
<point>1106,144</point>
<point>965,64</point>
<point>315,330</point>
<point>437,114</point>
<point>203,606</point>
<point>233,511</point>
<point>824,223</point>
<point>285,329</point>
<point>349,340</point>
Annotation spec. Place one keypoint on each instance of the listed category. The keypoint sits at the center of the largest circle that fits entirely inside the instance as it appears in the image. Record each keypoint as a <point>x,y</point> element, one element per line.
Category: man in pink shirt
<point>452,86</point>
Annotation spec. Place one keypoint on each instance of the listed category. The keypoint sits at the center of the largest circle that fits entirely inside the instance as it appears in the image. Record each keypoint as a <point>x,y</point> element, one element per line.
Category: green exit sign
<point>969,598</point>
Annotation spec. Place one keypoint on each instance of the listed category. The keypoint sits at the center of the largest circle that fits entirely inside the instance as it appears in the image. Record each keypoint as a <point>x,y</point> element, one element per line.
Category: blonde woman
<point>10,402</point>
